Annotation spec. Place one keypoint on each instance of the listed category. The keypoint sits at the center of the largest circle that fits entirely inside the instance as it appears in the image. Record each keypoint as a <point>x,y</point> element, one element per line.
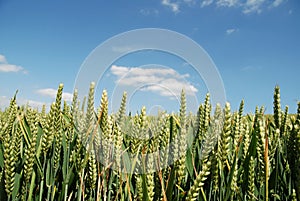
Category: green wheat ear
<point>182,139</point>
<point>92,169</point>
<point>261,149</point>
<point>277,107</point>
<point>57,126</point>
<point>9,163</point>
<point>31,150</point>
<point>236,135</point>
<point>103,113</point>
<point>122,110</point>
<point>251,180</point>
<point>193,193</point>
<point>90,119</point>
<point>284,123</point>
<point>182,110</point>
<point>225,135</point>
<point>216,158</point>
<point>143,117</point>
<point>163,138</point>
<point>48,136</point>
<point>74,106</point>
<point>12,112</point>
<point>118,142</point>
<point>9,146</point>
<point>246,139</point>
<point>206,114</point>
<point>293,152</point>
<point>197,128</point>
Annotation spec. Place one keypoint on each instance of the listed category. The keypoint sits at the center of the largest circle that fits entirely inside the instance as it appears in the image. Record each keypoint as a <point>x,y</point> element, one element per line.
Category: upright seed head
<point>103,115</point>
<point>225,135</point>
<point>49,130</point>
<point>122,109</point>
<point>284,123</point>
<point>59,96</point>
<point>182,109</point>
<point>277,107</point>
<point>74,107</point>
<point>207,110</point>
<point>89,117</point>
<point>241,109</point>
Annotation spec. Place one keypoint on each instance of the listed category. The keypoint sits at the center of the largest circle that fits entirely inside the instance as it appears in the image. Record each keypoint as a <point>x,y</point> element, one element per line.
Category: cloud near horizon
<point>5,101</point>
<point>52,93</point>
<point>163,81</point>
<point>246,6</point>
<point>5,67</point>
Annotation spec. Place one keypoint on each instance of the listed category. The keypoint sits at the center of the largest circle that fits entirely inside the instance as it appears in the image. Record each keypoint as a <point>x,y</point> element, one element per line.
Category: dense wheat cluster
<point>77,152</point>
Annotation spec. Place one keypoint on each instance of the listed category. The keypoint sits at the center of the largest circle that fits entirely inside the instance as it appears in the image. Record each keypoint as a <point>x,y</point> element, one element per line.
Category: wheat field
<point>78,152</point>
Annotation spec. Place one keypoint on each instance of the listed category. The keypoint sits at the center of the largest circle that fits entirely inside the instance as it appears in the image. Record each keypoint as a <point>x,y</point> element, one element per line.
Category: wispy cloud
<point>246,6</point>
<point>277,3</point>
<point>52,93</point>
<point>206,3</point>
<point>5,67</point>
<point>227,3</point>
<point>253,6</point>
<point>163,81</point>
<point>173,5</point>
<point>231,31</point>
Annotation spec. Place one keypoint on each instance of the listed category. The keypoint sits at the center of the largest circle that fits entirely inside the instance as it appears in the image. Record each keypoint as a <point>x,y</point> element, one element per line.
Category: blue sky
<point>255,45</point>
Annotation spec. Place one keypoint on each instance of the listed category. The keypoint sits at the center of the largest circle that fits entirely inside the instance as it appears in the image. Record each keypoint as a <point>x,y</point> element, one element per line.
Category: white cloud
<point>206,3</point>
<point>171,87</point>
<point>5,101</point>
<point>246,6</point>
<point>253,6</point>
<point>227,3</point>
<point>163,81</point>
<point>2,59</point>
<point>119,70</point>
<point>52,93</point>
<point>174,6</point>
<point>276,3</point>
<point>230,31</point>
<point>5,67</point>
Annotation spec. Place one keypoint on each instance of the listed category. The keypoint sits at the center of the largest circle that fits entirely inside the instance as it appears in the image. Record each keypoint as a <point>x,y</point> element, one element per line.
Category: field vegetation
<point>76,152</point>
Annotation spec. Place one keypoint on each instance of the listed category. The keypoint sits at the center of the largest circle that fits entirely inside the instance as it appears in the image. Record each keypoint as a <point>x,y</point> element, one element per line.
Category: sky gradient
<point>255,45</point>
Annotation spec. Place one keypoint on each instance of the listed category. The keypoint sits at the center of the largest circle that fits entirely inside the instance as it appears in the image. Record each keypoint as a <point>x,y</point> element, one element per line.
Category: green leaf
<point>189,163</point>
<point>171,183</point>
<point>145,189</point>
